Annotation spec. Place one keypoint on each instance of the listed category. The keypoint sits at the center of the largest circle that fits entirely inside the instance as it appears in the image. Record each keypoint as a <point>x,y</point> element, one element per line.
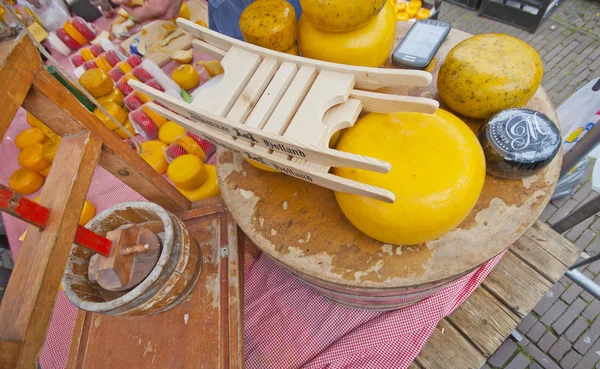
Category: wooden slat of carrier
<point>474,331</point>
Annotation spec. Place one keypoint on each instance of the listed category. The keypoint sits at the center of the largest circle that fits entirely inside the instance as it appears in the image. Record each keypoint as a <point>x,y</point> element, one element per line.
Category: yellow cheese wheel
<point>261,166</point>
<point>340,15</point>
<point>438,171</point>
<point>186,76</point>
<point>368,46</point>
<point>169,132</point>
<point>115,95</point>
<point>187,172</point>
<point>113,109</point>
<point>31,158</point>
<point>87,213</point>
<point>488,73</point>
<point>153,152</point>
<point>190,146</point>
<point>96,81</point>
<point>269,23</point>
<point>49,150</point>
<point>45,172</point>
<point>210,188</point>
<point>293,50</point>
<point>29,137</point>
<point>25,181</point>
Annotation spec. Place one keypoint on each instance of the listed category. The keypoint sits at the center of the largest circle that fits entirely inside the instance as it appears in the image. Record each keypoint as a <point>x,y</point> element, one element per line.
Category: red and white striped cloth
<point>287,325</point>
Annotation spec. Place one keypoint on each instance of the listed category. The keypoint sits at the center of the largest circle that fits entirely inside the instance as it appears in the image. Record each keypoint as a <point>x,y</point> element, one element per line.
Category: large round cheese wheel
<point>485,74</point>
<point>270,24</point>
<point>437,175</point>
<point>340,15</point>
<point>369,45</point>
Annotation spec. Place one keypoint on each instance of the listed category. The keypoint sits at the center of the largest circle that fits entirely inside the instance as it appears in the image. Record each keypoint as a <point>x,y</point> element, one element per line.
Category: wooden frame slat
<point>27,306</point>
<point>60,110</point>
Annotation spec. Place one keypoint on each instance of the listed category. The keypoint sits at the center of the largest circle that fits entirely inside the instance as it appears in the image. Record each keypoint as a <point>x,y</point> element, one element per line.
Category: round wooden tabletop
<point>302,227</point>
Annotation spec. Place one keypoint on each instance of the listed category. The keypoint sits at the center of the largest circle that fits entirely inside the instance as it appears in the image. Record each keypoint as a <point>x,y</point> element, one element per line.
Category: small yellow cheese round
<point>124,67</point>
<point>412,10</point>
<point>45,172</point>
<point>190,146</point>
<point>186,76</point>
<point>270,24</point>
<point>96,81</point>
<point>340,15</point>
<point>402,16</point>
<point>128,127</point>
<point>400,7</point>
<point>31,158</point>
<point>113,109</point>
<point>25,181</point>
<point>49,150</point>
<point>438,171</point>
<point>158,119</point>
<point>210,188</point>
<point>170,131</point>
<point>423,13</point>
<point>368,46</point>
<point>187,172</point>
<point>103,64</point>
<point>87,213</point>
<point>153,152</point>
<point>87,54</point>
<point>29,137</point>
<point>115,95</point>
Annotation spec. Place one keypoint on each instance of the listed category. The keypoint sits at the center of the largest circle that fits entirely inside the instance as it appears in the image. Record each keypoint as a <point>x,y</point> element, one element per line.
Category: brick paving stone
<point>594,267</point>
<point>576,329</point>
<point>563,211</point>
<point>571,293</point>
<point>585,239</point>
<point>485,366</point>
<point>596,224</point>
<point>547,340</point>
<point>535,365</point>
<point>582,193</point>
<point>594,247</point>
<point>540,357</point>
<point>590,358</point>
<point>554,312</point>
<point>547,213</point>
<point>578,230</point>
<point>549,299</point>
<point>559,349</point>
<point>587,339</point>
<point>592,310</point>
<point>586,296</point>
<point>570,360</point>
<point>560,202</point>
<point>503,353</point>
<point>536,332</point>
<point>520,361</point>
<point>565,320</point>
<point>526,323</point>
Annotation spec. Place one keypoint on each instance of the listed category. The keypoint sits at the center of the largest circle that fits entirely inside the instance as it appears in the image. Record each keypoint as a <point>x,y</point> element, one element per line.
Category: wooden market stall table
<point>288,325</point>
<point>301,227</point>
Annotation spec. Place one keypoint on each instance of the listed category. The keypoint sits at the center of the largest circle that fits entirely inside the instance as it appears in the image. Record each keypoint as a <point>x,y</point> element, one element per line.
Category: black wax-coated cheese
<point>518,142</point>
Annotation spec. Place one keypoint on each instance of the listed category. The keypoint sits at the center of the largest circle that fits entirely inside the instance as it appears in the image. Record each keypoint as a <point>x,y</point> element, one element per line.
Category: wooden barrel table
<point>302,228</point>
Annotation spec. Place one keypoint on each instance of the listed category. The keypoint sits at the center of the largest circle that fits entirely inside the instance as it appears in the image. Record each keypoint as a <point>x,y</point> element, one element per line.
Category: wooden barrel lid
<point>302,227</point>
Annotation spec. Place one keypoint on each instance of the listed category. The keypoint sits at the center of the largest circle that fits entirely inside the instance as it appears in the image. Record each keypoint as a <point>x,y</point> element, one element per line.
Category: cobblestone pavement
<point>563,329</point>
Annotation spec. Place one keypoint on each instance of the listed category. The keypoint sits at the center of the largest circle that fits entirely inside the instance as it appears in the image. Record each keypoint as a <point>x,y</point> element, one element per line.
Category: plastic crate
<point>469,4</point>
<point>527,14</point>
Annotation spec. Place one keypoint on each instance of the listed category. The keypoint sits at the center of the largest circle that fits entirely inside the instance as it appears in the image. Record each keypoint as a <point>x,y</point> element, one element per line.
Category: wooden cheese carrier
<point>206,330</point>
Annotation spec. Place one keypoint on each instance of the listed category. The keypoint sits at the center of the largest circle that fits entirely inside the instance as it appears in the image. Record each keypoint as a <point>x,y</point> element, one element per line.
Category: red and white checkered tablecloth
<point>287,325</point>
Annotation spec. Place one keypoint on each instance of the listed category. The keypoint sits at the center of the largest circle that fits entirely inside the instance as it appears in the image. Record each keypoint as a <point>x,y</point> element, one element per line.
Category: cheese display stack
<point>281,110</point>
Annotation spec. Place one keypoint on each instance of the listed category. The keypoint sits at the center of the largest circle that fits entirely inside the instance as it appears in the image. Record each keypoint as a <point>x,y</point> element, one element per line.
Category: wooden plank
<point>63,113</point>
<point>366,78</point>
<point>516,284</point>
<point>20,63</point>
<point>484,321</point>
<point>388,103</point>
<point>448,349</point>
<point>239,66</point>
<point>554,243</point>
<point>538,258</point>
<point>27,305</point>
<point>206,330</point>
<point>414,365</point>
<point>9,353</point>
<point>252,92</point>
